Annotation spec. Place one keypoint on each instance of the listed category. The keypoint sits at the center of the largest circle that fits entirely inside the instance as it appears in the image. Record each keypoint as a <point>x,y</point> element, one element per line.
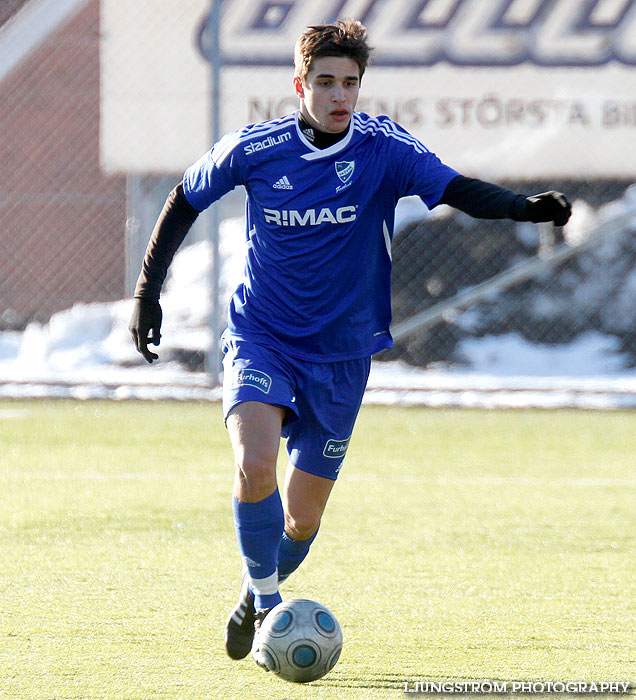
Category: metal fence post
<point>210,48</point>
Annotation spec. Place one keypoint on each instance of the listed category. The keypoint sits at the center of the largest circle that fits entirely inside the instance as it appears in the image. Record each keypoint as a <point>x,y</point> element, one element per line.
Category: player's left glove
<point>548,206</point>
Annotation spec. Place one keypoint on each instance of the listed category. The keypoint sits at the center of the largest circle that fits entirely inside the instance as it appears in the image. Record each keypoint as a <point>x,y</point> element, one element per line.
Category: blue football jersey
<point>319,225</point>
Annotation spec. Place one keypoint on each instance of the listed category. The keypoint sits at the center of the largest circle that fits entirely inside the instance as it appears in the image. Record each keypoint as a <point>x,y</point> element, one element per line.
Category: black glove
<point>548,206</point>
<point>146,319</point>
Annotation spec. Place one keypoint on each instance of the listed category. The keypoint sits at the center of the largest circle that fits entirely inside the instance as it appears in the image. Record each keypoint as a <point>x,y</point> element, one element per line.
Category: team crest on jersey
<point>344,169</point>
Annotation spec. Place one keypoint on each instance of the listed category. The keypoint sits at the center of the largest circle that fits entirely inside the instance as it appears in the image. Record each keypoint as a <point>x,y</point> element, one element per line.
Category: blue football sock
<point>258,530</point>
<point>291,554</point>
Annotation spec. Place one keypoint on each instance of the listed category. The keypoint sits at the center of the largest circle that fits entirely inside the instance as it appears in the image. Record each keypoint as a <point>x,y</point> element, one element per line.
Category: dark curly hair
<point>346,38</point>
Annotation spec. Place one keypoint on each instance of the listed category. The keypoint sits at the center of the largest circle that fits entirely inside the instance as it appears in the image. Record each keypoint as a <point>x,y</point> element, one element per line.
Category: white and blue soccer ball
<point>300,640</point>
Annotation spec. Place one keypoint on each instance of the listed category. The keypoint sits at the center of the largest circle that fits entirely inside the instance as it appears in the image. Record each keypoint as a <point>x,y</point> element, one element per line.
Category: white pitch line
<point>499,480</point>
<point>584,482</point>
<point>104,476</point>
<point>6,413</point>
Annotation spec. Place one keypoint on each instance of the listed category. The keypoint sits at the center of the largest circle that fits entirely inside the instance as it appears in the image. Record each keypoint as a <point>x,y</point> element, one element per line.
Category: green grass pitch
<point>457,545</point>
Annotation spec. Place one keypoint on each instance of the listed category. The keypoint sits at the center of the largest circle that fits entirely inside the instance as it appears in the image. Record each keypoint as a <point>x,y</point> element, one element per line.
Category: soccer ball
<point>300,640</point>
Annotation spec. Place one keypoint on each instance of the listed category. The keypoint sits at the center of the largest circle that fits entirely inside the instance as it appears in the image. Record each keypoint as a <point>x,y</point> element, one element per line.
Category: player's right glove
<point>548,206</point>
<point>144,326</point>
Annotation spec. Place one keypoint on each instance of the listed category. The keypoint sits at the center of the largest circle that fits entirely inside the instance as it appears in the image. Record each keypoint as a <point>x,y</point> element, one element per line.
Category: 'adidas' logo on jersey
<point>283,184</point>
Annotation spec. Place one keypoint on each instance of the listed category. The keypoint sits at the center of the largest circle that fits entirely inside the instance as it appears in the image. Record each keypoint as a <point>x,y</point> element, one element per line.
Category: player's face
<point>329,93</point>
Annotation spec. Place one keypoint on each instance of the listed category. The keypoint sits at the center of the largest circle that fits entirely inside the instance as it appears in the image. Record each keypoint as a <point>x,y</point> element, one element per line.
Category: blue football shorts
<point>322,400</point>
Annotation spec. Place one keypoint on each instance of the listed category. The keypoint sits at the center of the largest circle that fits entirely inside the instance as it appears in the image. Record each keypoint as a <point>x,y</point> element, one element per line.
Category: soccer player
<point>314,306</point>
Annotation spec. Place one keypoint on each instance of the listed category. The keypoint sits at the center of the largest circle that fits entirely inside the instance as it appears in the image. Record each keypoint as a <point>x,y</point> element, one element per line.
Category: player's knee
<point>301,526</point>
<point>256,472</point>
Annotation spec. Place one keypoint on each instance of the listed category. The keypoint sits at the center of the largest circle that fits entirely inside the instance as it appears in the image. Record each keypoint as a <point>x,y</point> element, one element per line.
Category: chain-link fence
<point>592,292</point>
<point>61,216</point>
<point>94,138</point>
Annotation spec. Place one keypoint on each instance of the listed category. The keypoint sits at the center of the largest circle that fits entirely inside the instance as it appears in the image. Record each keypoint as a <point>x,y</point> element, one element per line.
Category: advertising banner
<point>500,89</point>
